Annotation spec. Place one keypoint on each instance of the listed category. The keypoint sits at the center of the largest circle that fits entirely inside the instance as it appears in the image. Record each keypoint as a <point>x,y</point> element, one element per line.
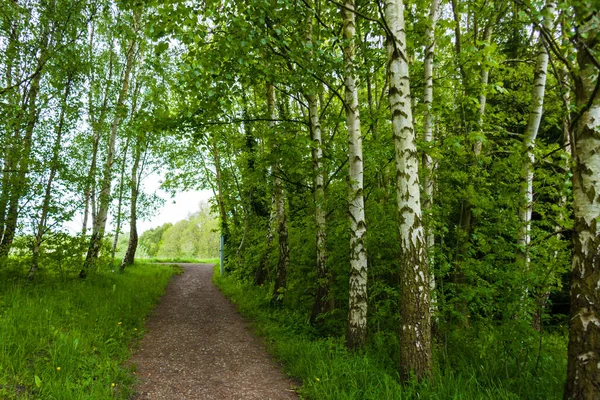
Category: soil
<point>198,347</point>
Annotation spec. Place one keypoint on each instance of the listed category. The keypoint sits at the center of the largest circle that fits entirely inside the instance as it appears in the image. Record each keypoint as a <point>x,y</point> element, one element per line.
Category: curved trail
<point>198,347</point>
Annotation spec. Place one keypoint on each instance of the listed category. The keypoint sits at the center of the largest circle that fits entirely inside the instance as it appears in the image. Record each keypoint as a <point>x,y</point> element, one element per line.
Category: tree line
<point>423,168</point>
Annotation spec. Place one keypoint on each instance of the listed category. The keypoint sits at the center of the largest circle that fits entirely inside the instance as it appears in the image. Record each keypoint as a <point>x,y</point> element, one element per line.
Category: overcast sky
<point>174,210</point>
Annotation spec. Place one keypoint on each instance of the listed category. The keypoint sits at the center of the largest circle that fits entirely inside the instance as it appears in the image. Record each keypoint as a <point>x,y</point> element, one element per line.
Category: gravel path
<point>198,347</point>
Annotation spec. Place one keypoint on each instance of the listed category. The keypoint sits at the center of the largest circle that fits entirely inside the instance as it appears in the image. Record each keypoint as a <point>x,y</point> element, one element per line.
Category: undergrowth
<point>66,338</point>
<point>470,365</point>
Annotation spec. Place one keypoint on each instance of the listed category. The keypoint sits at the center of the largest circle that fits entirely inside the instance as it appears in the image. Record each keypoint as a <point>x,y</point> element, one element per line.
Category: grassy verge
<point>68,339</point>
<point>328,371</point>
<point>184,260</point>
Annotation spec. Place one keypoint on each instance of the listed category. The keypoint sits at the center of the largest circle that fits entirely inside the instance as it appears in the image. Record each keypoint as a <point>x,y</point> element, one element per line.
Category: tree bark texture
<point>282,232</point>
<point>428,168</point>
<point>531,131</point>
<point>583,365</point>
<point>356,331</point>
<point>322,303</point>
<point>129,256</point>
<point>415,329</point>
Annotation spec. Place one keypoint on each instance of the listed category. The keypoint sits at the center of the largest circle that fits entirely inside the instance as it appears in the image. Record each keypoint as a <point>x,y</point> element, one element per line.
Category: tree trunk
<point>18,183</point>
<point>533,124</point>
<point>41,227</point>
<point>221,196</point>
<point>322,303</point>
<point>282,232</point>
<point>415,330</point>
<point>129,257</point>
<point>428,178</point>
<point>104,198</point>
<point>485,74</point>
<point>96,125</point>
<point>583,365</point>
<point>119,203</point>
<point>356,331</point>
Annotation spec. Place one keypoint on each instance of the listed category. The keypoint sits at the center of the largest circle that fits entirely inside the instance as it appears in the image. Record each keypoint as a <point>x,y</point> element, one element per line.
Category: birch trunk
<point>104,198</point>
<point>415,329</point>
<point>428,179</point>
<point>583,359</point>
<point>485,75</point>
<point>356,331</point>
<point>41,227</point>
<point>97,125</point>
<point>322,303</point>
<point>129,256</point>
<point>119,203</point>
<point>533,124</point>
<point>18,183</point>
<point>282,233</point>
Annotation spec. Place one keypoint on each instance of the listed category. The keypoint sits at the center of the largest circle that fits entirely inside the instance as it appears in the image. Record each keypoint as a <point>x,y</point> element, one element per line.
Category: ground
<point>198,347</point>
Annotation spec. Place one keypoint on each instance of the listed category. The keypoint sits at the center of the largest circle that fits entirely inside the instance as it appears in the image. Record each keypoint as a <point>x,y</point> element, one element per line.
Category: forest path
<point>198,347</point>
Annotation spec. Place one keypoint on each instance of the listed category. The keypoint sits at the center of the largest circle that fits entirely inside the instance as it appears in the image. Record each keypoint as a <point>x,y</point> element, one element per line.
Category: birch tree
<point>531,131</point>
<point>583,368</point>
<point>356,332</point>
<point>415,328</point>
<point>104,198</point>
<point>428,179</point>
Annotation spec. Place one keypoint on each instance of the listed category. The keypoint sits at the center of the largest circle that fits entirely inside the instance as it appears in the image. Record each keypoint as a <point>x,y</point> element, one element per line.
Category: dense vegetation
<point>409,176</point>
<point>64,338</point>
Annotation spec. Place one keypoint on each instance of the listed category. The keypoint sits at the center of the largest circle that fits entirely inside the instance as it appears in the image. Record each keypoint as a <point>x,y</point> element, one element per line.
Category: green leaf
<point>38,381</point>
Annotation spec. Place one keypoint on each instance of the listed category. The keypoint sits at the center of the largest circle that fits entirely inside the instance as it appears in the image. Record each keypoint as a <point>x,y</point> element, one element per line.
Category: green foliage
<point>482,363</point>
<point>192,238</point>
<point>62,339</point>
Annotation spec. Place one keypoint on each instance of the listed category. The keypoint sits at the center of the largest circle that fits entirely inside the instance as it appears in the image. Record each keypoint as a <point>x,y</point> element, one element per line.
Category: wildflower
<point>58,368</point>
<point>318,380</point>
<point>112,385</point>
<point>119,323</point>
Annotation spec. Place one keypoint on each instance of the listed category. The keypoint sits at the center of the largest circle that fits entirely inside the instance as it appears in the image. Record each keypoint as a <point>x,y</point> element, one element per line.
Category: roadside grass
<point>328,371</point>
<point>69,338</point>
<point>183,260</point>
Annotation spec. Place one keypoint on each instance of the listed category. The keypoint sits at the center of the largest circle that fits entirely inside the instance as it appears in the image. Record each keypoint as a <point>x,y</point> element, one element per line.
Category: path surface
<point>198,347</point>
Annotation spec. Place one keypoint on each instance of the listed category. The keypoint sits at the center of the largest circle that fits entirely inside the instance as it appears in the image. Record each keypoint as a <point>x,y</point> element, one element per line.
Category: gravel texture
<point>198,347</point>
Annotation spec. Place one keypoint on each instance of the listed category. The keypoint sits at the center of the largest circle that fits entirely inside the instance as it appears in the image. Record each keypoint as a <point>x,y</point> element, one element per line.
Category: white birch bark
<point>531,131</point>
<point>485,76</point>
<point>104,198</point>
<point>356,332</point>
<point>428,179</point>
<point>415,330</point>
<point>583,365</point>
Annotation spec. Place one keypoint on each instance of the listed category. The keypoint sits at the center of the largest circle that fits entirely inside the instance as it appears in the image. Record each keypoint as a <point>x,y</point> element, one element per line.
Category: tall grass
<point>69,338</point>
<point>471,367</point>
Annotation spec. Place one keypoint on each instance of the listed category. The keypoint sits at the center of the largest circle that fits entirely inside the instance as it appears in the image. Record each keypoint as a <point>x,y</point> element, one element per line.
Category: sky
<point>173,210</point>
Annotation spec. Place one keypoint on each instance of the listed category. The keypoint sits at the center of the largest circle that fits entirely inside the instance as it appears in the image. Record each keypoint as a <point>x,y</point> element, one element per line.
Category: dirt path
<point>198,347</point>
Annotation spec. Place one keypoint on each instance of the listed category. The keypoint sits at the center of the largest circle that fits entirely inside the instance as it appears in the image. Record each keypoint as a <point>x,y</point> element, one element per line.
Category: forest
<point>415,182</point>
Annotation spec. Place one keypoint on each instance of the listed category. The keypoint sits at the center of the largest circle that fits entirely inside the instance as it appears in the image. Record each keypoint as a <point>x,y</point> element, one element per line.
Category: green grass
<point>328,371</point>
<point>184,260</point>
<point>69,338</point>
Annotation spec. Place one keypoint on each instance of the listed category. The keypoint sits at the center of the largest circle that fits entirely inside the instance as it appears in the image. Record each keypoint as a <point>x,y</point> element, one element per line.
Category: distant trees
<point>194,237</point>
